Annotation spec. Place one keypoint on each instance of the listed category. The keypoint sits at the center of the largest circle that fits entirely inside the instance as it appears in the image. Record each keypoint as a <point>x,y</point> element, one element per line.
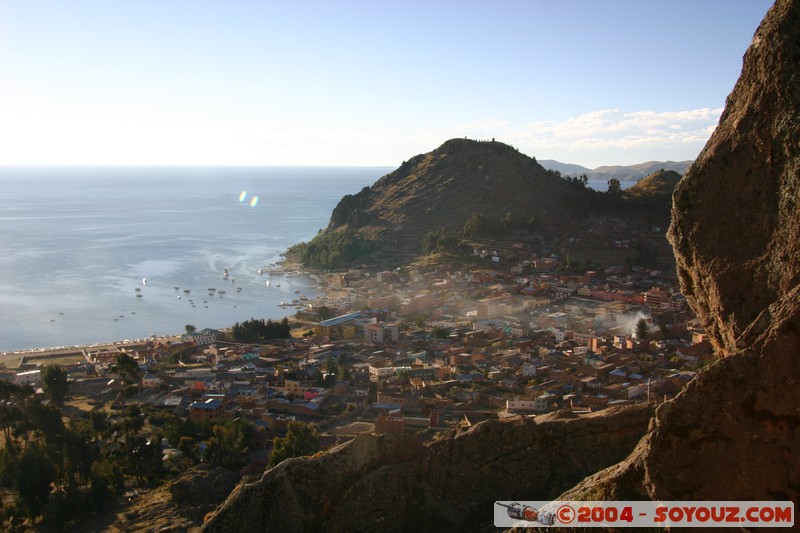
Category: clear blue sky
<point>363,82</point>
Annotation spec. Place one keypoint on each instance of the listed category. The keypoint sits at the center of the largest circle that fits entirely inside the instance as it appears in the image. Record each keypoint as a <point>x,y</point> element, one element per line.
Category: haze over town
<point>357,83</point>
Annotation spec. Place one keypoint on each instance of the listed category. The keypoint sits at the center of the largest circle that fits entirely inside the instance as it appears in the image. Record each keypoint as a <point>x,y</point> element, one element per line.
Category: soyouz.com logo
<point>644,514</point>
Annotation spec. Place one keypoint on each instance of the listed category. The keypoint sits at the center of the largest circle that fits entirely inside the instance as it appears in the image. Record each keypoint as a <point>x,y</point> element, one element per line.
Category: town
<point>426,349</point>
<point>516,329</point>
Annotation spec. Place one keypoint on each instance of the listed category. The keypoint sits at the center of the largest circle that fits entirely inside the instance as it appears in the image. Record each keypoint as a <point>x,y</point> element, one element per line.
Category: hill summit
<point>466,189</point>
<point>442,190</point>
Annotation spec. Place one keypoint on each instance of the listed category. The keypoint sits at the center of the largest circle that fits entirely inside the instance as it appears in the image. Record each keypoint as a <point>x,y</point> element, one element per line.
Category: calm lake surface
<point>78,244</point>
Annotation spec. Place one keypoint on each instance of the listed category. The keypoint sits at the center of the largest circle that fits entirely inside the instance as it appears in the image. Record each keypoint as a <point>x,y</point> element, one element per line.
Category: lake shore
<point>65,355</point>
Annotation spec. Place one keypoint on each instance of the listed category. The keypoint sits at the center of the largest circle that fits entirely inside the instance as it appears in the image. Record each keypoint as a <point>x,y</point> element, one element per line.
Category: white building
<point>542,403</point>
<point>518,406</point>
<point>377,373</point>
<point>203,337</point>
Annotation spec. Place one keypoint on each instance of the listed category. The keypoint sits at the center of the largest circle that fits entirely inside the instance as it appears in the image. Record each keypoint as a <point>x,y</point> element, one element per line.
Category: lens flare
<point>243,196</point>
<point>254,201</point>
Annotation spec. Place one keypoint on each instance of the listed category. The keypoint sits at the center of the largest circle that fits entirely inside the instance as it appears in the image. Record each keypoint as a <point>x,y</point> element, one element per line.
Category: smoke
<point>628,321</point>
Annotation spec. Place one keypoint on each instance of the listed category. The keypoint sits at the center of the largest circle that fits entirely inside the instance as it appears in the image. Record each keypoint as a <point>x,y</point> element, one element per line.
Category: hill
<point>657,185</point>
<point>620,172</point>
<point>565,168</point>
<point>463,187</point>
<point>635,172</point>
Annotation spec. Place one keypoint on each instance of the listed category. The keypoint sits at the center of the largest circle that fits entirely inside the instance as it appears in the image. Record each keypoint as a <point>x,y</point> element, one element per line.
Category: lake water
<point>77,243</point>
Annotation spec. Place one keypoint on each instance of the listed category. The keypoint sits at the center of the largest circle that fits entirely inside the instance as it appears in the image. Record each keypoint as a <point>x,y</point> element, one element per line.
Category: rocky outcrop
<point>386,483</point>
<point>179,505</point>
<point>734,432</point>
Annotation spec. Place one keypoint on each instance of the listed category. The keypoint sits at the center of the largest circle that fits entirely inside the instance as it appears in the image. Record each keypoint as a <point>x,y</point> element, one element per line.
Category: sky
<point>363,82</point>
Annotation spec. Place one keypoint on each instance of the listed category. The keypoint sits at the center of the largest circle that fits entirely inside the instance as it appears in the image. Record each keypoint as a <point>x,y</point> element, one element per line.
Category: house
<point>521,406</point>
<point>203,337</point>
<point>378,373</point>
<point>210,409</point>
<point>528,369</point>
<point>294,387</point>
<point>151,381</point>
<point>543,402</point>
<point>379,332</point>
<point>656,298</point>
<point>390,423</point>
<point>702,351</point>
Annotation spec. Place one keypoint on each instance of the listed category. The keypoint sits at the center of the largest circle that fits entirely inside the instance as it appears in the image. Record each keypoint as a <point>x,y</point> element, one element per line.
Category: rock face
<point>736,214</point>
<point>734,432</point>
<point>387,483</point>
<point>179,505</point>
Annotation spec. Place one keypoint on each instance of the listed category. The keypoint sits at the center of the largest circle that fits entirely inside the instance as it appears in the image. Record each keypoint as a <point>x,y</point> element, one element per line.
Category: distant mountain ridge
<point>621,172</point>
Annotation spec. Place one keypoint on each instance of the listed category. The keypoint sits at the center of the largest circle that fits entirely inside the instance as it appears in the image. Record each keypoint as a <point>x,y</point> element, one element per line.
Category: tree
<point>342,369</point>
<point>440,333</point>
<point>141,457</point>
<point>190,329</point>
<point>188,447</point>
<point>54,383</point>
<point>301,439</point>
<point>476,225</point>
<point>641,329</point>
<point>614,186</point>
<point>35,474</point>
<point>128,371</point>
<point>229,446</point>
<point>325,312</point>
<point>47,419</point>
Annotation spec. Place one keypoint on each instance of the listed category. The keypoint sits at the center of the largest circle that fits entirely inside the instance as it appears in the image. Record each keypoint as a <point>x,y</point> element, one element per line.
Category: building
<point>390,423</point>
<point>378,373</point>
<point>656,298</point>
<point>379,332</point>
<point>339,328</point>
<point>542,403</point>
<point>210,409</point>
<point>204,337</point>
<point>295,388</point>
<point>521,406</point>
<point>151,381</point>
<point>418,304</point>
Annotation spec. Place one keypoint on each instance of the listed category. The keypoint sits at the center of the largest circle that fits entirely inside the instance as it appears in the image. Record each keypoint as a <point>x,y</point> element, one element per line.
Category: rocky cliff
<point>391,483</point>
<point>733,433</point>
<point>179,505</point>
